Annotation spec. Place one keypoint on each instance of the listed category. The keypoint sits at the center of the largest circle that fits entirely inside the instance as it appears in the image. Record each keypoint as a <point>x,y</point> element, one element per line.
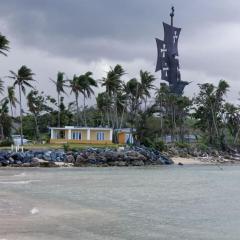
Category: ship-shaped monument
<point>167,60</point>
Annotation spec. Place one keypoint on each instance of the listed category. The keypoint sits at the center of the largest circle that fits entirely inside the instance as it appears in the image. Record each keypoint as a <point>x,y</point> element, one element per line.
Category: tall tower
<point>167,60</point>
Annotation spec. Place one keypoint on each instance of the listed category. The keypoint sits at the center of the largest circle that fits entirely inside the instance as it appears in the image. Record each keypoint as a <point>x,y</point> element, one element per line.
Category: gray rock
<point>80,159</point>
<point>47,164</point>
<point>137,163</point>
<point>26,164</point>
<point>70,159</point>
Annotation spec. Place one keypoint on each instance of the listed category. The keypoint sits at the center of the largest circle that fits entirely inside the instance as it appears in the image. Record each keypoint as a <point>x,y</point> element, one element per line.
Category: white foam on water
<point>20,175</point>
<point>19,182</point>
<point>34,211</point>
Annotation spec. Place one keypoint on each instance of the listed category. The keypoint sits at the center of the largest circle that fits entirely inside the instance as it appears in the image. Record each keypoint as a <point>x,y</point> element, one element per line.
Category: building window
<point>76,136</point>
<point>100,136</point>
<point>60,134</point>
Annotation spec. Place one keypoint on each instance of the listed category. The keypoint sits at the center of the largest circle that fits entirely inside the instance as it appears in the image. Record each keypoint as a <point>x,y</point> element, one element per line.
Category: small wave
<point>19,182</point>
<point>20,175</point>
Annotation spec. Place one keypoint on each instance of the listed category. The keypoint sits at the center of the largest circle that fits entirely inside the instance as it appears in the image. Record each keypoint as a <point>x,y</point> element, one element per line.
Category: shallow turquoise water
<point>170,202</point>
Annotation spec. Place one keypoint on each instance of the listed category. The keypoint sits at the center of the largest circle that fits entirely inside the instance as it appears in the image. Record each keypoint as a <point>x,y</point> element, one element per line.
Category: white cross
<point>175,37</point>
<point>164,50</point>
<point>165,69</point>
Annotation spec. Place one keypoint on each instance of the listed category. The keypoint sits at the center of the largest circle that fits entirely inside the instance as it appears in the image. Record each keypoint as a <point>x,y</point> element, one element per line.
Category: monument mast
<point>172,15</point>
<point>167,60</point>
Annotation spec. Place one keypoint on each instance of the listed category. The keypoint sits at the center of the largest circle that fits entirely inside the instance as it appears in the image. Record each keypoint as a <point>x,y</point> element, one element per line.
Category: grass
<point>60,146</point>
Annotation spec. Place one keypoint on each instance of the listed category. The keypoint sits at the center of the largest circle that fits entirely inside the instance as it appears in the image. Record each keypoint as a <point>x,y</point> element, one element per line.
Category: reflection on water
<point>170,202</point>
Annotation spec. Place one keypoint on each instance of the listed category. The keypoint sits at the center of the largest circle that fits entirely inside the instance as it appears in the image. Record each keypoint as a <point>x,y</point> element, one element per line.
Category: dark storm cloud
<point>112,29</point>
<point>124,30</point>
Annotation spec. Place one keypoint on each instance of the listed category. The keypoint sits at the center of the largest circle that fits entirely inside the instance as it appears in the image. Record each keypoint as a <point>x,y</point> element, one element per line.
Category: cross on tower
<point>175,37</point>
<point>165,69</point>
<point>163,50</point>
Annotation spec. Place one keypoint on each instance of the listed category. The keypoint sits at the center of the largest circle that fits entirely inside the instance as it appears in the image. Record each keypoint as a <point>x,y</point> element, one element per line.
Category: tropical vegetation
<point>153,114</point>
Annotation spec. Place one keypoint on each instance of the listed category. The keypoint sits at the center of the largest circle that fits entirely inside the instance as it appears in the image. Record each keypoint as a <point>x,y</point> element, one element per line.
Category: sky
<point>75,36</point>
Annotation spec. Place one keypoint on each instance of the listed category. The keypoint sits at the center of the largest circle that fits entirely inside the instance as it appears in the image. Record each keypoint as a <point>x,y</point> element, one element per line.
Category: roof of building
<point>125,130</point>
<point>79,128</point>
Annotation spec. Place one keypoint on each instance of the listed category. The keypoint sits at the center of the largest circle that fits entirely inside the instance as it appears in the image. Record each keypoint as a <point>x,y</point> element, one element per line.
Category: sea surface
<point>165,202</point>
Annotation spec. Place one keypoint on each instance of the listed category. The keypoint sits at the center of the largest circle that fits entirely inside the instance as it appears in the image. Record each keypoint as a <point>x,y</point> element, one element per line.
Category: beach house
<point>84,135</point>
<point>125,136</point>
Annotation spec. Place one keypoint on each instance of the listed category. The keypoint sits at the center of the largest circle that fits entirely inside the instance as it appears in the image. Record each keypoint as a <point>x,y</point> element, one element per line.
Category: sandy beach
<point>178,160</point>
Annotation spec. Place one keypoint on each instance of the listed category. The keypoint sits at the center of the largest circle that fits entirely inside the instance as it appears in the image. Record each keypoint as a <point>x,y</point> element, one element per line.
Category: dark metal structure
<point>167,60</point>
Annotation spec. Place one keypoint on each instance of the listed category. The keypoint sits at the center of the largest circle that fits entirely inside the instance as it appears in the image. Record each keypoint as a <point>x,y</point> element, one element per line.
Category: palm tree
<point>60,84</point>
<point>210,110</point>
<point>232,118</point>
<point>147,80</point>
<point>114,84</point>
<point>113,80</point>
<point>133,89</point>
<point>11,98</point>
<point>103,102</point>
<point>22,79</point>
<point>5,121</point>
<point>86,82</point>
<point>1,86</point>
<point>75,88</point>
<point>4,45</point>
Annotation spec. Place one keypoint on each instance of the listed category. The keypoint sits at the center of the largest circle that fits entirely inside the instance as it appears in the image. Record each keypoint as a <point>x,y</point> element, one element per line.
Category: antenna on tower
<point>172,15</point>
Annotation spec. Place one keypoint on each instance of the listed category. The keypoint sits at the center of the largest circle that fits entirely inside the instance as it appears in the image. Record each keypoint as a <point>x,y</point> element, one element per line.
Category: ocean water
<point>166,202</point>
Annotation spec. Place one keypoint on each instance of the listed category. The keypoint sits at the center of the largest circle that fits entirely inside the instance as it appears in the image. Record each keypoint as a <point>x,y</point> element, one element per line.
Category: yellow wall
<point>93,134</point>
<point>93,137</point>
<point>83,134</point>
<point>62,141</point>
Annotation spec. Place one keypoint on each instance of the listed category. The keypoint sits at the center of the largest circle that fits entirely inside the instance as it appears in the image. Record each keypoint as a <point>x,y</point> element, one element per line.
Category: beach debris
<point>34,211</point>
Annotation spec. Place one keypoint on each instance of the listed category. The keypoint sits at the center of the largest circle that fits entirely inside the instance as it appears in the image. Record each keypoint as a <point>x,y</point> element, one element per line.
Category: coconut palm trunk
<point>37,128</point>
<point>11,109</point>
<point>84,106</point>
<point>76,99</point>
<point>123,112</point>
<point>59,111</point>
<point>21,115</point>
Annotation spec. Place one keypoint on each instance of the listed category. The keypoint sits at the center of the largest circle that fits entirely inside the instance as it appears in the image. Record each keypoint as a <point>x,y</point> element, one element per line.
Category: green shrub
<point>160,146</point>
<point>6,143</point>
<point>202,147</point>
<point>66,147</point>
<point>182,145</point>
<point>148,142</point>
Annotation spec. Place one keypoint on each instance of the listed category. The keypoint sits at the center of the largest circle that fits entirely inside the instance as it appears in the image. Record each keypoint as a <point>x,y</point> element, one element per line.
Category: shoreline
<point>203,161</point>
<point>104,157</point>
<point>176,161</point>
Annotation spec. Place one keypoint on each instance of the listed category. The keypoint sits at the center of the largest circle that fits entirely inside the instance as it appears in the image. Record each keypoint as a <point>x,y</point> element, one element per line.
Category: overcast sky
<point>75,36</point>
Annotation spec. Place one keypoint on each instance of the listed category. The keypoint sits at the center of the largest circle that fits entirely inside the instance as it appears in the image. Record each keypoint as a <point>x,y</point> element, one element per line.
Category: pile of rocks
<point>134,156</point>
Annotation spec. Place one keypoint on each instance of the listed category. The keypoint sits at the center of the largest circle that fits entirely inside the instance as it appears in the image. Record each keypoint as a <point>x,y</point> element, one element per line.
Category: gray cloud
<point>77,35</point>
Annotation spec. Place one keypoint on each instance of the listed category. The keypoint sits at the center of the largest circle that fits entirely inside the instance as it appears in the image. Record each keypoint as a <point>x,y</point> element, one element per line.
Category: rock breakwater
<point>134,156</point>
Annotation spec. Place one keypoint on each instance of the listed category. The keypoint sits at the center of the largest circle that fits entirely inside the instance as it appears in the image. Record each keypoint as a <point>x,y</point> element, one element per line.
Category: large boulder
<point>92,158</point>
<point>36,162</point>
<point>80,161</point>
<point>4,162</point>
<point>70,159</point>
<point>134,155</point>
<point>47,156</point>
